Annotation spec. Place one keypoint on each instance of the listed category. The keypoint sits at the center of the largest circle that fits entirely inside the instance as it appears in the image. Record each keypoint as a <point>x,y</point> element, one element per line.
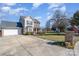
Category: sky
<point>41,11</point>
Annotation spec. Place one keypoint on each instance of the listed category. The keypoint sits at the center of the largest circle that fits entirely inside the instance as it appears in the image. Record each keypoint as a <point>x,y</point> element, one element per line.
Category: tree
<point>75,19</point>
<point>60,20</point>
<point>49,24</point>
<point>62,23</point>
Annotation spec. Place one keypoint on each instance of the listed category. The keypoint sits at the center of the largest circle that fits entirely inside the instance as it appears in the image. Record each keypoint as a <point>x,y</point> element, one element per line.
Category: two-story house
<point>29,24</point>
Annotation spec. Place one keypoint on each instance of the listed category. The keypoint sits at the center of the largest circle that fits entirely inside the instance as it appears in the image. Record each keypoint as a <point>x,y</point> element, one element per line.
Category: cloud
<point>54,5</point>
<point>16,11</point>
<point>38,17</point>
<point>10,4</point>
<point>36,5</point>
<point>48,13</point>
<point>2,14</point>
<point>5,9</point>
<point>20,9</point>
<point>63,8</point>
<point>49,16</point>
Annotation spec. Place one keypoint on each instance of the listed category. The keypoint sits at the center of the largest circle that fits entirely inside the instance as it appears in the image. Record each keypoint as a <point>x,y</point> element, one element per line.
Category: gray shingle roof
<point>35,20</point>
<point>8,24</point>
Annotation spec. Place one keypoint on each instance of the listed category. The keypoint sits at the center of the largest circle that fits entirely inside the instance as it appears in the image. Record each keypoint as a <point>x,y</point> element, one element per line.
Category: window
<point>29,22</point>
<point>30,29</point>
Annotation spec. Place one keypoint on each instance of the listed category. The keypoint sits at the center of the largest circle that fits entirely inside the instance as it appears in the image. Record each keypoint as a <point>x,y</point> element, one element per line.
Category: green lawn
<point>54,37</point>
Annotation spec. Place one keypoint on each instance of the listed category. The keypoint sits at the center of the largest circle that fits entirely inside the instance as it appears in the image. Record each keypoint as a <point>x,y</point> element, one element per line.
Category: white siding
<point>6,32</point>
<point>28,19</point>
<point>28,27</point>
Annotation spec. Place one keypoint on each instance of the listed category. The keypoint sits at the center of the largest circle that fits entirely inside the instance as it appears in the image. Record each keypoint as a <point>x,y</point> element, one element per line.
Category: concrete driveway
<point>30,46</point>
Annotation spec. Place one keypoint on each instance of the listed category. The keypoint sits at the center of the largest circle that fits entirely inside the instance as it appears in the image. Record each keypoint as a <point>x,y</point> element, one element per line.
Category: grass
<point>55,33</point>
<point>55,37</point>
<point>59,40</point>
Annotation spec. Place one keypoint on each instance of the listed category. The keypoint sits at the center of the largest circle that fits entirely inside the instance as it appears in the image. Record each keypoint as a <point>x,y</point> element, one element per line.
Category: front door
<point>29,29</point>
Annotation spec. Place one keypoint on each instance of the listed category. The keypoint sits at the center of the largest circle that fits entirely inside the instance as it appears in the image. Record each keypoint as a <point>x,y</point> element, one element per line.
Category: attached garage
<point>6,32</point>
<point>10,28</point>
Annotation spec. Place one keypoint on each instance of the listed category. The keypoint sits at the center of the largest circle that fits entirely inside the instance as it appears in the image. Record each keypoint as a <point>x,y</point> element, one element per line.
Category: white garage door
<point>7,32</point>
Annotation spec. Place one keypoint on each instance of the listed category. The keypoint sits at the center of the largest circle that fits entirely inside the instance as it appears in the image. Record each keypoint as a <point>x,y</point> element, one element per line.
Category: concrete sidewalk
<point>30,46</point>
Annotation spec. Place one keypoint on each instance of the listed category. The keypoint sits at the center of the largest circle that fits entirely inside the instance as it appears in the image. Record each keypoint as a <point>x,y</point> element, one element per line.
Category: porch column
<point>36,30</point>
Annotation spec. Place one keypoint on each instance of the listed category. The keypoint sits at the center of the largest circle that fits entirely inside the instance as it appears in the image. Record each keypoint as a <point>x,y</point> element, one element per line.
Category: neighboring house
<point>25,24</point>
<point>36,26</point>
<point>74,28</point>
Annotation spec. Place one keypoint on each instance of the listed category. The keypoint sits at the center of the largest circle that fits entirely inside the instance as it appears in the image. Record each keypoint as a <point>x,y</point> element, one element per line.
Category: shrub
<point>69,45</point>
<point>41,33</point>
<point>55,33</point>
<point>29,33</point>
